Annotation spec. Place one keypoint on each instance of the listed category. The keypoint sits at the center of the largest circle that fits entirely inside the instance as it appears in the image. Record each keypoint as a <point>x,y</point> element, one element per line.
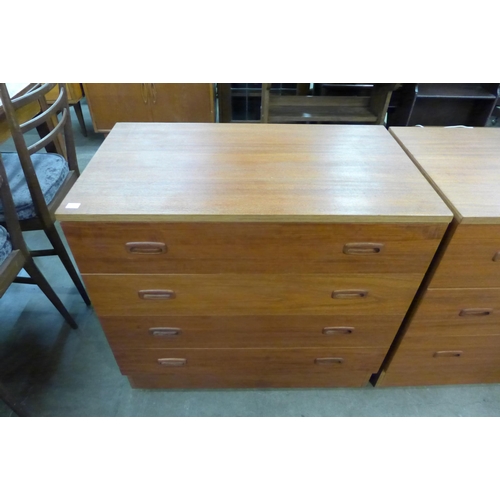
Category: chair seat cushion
<point>5,246</point>
<point>51,170</point>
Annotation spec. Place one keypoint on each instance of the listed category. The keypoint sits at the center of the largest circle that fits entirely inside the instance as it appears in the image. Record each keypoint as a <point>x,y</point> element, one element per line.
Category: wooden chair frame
<point>21,258</point>
<point>60,134</point>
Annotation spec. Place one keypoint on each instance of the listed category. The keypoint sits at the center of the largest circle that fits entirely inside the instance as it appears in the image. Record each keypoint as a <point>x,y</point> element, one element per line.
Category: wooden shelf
<point>453,91</point>
<point>300,109</point>
<point>443,104</point>
<point>336,114</point>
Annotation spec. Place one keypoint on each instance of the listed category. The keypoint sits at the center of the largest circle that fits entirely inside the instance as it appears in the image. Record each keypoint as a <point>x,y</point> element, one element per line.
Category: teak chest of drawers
<point>251,255</point>
<point>452,334</point>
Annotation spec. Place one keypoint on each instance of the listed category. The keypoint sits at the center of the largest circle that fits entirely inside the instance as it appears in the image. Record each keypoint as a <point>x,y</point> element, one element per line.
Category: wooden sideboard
<point>251,255</point>
<point>110,103</point>
<point>452,333</point>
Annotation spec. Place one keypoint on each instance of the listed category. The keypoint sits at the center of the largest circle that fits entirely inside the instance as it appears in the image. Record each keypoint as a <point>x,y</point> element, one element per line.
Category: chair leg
<point>35,273</point>
<point>43,130</point>
<point>13,405</point>
<point>78,110</point>
<point>61,251</point>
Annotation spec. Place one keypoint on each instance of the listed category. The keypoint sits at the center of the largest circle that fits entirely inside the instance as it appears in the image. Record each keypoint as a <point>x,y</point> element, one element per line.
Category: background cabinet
<point>110,103</point>
<point>443,104</point>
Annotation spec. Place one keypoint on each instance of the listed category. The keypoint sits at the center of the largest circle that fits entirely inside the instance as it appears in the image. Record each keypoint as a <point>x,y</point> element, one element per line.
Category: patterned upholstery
<point>51,170</point>
<point>5,246</point>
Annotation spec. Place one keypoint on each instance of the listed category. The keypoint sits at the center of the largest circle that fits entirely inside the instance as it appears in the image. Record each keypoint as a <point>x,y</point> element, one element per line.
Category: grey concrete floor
<point>56,371</point>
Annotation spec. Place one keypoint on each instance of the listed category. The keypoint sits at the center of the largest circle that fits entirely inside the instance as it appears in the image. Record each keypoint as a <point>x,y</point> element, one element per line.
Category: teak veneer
<point>251,255</point>
<point>452,332</point>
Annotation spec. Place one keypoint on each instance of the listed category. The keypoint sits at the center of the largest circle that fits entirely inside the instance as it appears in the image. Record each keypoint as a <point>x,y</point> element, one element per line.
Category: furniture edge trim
<point>68,217</point>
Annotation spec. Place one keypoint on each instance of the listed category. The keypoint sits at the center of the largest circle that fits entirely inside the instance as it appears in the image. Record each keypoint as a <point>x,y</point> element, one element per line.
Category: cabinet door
<point>110,103</point>
<point>182,102</point>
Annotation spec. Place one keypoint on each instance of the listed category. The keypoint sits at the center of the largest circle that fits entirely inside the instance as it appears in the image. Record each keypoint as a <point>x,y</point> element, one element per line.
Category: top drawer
<point>167,248</point>
<point>472,258</point>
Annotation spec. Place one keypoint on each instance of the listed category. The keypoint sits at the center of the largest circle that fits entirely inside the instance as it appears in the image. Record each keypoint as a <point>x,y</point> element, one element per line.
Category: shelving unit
<point>443,104</point>
<point>240,102</point>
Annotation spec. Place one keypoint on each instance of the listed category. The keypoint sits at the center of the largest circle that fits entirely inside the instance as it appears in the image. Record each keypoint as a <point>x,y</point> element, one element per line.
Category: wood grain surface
<point>251,294</point>
<point>254,367</point>
<point>238,379</point>
<point>110,103</point>
<point>468,260</point>
<point>250,331</point>
<point>416,362</point>
<point>252,172</point>
<point>463,164</point>
<point>250,247</point>
<point>459,311</point>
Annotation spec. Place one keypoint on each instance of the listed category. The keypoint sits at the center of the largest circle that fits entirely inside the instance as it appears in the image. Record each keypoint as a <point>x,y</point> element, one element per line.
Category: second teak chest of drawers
<point>231,255</point>
<point>452,334</point>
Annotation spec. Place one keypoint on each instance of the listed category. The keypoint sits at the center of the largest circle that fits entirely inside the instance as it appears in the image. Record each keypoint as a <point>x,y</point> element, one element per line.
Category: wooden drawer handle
<point>476,311</point>
<point>447,354</point>
<point>156,294</point>
<point>146,247</point>
<point>338,330</point>
<point>364,248</point>
<point>349,294</point>
<point>172,361</point>
<point>164,331</point>
<point>329,361</point>
<point>496,257</point>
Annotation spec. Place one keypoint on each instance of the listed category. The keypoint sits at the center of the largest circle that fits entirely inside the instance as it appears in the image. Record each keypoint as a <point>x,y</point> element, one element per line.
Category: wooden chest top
<point>200,172</point>
<point>463,164</point>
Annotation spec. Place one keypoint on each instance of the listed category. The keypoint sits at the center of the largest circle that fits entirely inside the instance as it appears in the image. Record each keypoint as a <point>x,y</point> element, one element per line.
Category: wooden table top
<point>463,164</point>
<point>251,172</point>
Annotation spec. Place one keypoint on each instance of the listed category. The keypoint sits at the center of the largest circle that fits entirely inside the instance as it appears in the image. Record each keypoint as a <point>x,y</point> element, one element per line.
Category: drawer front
<point>166,248</point>
<point>251,380</point>
<point>249,331</point>
<point>253,367</point>
<point>472,258</point>
<point>250,294</point>
<point>446,360</point>
<point>460,311</point>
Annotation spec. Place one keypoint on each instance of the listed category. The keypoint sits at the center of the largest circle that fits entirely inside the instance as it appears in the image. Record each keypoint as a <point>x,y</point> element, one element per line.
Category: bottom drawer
<point>445,360</point>
<point>304,367</point>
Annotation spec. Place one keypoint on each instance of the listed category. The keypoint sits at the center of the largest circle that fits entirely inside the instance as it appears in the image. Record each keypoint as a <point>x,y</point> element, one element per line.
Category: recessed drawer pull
<point>156,294</point>
<point>447,354</point>
<point>146,247</point>
<point>476,311</point>
<point>364,248</point>
<point>338,330</point>
<point>349,294</point>
<point>164,332</point>
<point>496,257</point>
<point>329,361</point>
<point>172,361</point>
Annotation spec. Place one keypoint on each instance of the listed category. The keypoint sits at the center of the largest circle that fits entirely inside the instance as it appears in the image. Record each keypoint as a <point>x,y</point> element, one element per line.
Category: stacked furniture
<point>452,333</point>
<point>251,255</point>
